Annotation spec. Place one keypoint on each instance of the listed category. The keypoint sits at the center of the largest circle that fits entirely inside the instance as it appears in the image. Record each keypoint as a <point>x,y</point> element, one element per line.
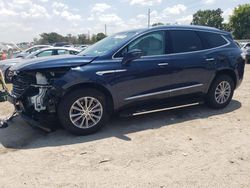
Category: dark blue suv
<point>133,73</point>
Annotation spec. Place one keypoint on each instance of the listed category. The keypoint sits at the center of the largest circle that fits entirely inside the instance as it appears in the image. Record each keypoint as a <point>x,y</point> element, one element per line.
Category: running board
<point>148,109</point>
<point>164,109</point>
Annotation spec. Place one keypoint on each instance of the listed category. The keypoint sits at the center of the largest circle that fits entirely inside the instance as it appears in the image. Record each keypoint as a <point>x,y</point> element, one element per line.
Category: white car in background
<point>30,50</point>
<point>246,52</point>
<point>44,52</point>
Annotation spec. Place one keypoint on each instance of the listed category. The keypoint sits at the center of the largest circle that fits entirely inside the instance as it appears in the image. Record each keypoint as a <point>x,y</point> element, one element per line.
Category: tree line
<point>239,25</point>
<point>239,21</point>
<point>53,37</point>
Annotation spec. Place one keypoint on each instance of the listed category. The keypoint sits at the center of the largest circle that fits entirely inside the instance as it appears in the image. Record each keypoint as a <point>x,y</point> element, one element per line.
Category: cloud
<point>22,1</point>
<point>70,16</point>
<point>35,11</point>
<point>185,19</point>
<point>176,9</point>
<point>5,12</point>
<point>110,18</point>
<point>145,2</point>
<point>59,5</point>
<point>100,7</point>
<point>226,14</point>
<point>62,10</point>
<point>209,1</point>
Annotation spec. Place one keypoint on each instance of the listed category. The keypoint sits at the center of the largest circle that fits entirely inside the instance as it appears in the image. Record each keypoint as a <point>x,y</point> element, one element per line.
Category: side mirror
<point>131,55</point>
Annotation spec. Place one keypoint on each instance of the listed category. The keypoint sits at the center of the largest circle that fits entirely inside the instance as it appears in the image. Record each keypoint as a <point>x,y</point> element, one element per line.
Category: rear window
<point>212,40</point>
<point>62,52</point>
<point>185,41</point>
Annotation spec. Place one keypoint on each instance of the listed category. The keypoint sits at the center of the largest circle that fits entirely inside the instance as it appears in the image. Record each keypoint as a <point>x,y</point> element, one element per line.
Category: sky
<point>23,20</point>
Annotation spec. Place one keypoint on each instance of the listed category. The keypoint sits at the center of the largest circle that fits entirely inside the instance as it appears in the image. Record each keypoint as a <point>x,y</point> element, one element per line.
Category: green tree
<point>83,39</point>
<point>93,39</point>
<point>50,38</point>
<point>100,36</point>
<point>157,24</point>
<point>240,22</point>
<point>227,27</point>
<point>212,18</point>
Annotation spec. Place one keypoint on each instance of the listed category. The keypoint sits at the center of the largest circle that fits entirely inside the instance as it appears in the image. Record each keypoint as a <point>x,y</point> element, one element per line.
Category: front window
<point>150,44</point>
<point>104,46</point>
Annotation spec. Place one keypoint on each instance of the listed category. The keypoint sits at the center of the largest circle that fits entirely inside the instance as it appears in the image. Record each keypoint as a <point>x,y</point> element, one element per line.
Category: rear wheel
<point>83,111</point>
<point>221,92</point>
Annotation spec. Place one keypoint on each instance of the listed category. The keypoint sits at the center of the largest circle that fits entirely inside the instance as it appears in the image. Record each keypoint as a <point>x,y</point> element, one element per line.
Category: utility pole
<point>88,35</point>
<point>149,17</point>
<point>106,29</point>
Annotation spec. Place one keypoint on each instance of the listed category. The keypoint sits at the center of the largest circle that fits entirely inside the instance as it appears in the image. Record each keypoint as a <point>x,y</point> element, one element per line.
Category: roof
<point>188,27</point>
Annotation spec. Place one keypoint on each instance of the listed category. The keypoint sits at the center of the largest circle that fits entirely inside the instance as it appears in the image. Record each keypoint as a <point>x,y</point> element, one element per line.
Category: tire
<point>69,109</point>
<point>214,99</point>
<point>6,76</point>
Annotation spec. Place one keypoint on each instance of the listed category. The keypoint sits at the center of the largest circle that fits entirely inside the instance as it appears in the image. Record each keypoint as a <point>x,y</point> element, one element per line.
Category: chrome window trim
<point>181,53</point>
<point>162,92</point>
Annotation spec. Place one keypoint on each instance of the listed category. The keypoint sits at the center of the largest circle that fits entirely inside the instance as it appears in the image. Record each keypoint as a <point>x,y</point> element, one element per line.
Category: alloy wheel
<point>223,92</point>
<point>86,112</point>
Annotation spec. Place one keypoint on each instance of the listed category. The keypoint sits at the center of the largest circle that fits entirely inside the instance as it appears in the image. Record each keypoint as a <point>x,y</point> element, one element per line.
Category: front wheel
<point>221,92</point>
<point>83,111</point>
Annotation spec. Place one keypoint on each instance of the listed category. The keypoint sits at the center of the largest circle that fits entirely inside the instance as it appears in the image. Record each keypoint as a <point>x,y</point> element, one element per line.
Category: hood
<point>52,62</point>
<point>11,61</point>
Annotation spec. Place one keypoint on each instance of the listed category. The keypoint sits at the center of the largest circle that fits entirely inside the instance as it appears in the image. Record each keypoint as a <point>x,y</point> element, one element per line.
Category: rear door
<point>191,68</point>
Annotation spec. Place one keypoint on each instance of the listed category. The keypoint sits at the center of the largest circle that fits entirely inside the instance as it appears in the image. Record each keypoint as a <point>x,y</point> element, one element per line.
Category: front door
<point>147,77</point>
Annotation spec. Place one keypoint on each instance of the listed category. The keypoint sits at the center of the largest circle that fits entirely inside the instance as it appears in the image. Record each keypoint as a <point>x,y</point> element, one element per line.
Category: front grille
<point>21,83</point>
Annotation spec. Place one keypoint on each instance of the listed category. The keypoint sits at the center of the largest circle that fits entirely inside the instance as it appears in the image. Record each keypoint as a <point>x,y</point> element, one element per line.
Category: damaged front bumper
<point>35,103</point>
<point>44,121</point>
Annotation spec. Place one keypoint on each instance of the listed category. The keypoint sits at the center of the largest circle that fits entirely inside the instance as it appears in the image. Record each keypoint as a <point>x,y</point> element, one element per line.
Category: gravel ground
<point>191,147</point>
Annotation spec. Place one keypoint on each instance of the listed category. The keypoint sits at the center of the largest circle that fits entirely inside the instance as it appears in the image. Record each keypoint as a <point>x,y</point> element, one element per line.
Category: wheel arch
<point>228,72</point>
<point>97,87</point>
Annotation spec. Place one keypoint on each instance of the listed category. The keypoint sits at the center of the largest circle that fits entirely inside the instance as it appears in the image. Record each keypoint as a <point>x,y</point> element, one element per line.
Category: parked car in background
<point>83,47</point>
<point>62,44</point>
<point>134,72</point>
<point>30,50</point>
<point>246,52</point>
<point>44,52</point>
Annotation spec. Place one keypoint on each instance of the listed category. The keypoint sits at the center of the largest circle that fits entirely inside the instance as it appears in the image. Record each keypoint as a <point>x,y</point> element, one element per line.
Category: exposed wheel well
<point>110,100</point>
<point>229,73</point>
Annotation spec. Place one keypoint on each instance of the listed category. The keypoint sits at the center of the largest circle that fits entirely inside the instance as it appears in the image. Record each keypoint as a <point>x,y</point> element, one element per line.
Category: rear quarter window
<point>212,40</point>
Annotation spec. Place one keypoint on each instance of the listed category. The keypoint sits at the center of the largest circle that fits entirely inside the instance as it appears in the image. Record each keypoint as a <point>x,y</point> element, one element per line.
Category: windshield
<point>104,46</point>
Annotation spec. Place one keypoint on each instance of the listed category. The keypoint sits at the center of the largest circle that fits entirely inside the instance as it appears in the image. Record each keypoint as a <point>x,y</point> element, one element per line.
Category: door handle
<point>163,64</point>
<point>210,59</point>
